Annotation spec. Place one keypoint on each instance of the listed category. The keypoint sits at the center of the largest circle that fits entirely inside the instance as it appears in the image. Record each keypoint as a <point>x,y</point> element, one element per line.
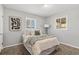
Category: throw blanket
<point>32,39</point>
<point>45,44</point>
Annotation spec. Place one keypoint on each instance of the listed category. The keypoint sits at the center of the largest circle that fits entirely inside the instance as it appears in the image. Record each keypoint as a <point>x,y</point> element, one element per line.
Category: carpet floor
<point>21,50</point>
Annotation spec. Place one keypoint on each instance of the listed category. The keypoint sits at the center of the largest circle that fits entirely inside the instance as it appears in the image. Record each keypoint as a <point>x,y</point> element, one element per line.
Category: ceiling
<point>40,9</point>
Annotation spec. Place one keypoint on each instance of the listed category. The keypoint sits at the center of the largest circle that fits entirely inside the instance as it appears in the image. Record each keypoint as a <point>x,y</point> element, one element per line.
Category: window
<point>31,23</point>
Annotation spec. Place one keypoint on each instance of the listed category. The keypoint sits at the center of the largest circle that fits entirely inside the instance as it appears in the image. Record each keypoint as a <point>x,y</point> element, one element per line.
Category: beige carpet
<point>20,50</point>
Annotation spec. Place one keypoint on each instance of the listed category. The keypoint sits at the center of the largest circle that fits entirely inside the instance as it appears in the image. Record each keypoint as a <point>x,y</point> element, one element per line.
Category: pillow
<point>28,32</point>
<point>37,32</point>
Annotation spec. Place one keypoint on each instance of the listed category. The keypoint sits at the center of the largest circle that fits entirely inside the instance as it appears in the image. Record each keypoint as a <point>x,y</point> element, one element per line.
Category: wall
<point>1,26</point>
<point>71,35</point>
<point>11,38</point>
<point>1,20</point>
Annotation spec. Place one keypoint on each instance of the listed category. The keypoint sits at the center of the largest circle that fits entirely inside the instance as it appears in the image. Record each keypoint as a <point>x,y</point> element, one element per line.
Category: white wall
<point>11,38</point>
<point>1,20</point>
<point>1,10</point>
<point>71,35</point>
<point>1,27</point>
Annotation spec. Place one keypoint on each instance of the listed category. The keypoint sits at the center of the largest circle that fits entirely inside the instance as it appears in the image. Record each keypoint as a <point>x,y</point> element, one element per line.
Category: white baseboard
<point>12,45</point>
<point>67,44</point>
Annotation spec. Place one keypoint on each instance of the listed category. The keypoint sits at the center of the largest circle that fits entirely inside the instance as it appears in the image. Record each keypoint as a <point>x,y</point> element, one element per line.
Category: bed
<point>40,44</point>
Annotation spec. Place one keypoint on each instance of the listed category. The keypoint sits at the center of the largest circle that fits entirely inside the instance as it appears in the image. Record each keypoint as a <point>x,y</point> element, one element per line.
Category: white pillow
<point>28,32</point>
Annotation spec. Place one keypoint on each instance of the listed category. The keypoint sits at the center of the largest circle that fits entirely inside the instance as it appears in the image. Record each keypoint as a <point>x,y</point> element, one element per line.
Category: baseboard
<point>67,44</point>
<point>12,45</point>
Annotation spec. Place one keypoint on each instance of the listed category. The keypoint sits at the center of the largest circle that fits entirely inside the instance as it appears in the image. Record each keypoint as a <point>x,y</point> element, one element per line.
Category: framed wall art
<point>61,23</point>
<point>14,23</point>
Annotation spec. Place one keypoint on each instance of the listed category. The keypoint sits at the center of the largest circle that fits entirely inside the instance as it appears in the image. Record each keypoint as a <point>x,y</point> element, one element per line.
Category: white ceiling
<point>39,9</point>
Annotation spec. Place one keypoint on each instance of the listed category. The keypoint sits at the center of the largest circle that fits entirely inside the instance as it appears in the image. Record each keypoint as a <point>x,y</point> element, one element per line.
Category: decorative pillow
<point>37,32</point>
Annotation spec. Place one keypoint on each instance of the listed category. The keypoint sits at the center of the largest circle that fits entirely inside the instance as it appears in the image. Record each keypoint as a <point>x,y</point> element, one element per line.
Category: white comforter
<point>42,45</point>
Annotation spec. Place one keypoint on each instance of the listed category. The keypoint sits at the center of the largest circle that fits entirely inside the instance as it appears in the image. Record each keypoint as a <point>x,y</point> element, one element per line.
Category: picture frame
<point>61,22</point>
<point>14,23</point>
